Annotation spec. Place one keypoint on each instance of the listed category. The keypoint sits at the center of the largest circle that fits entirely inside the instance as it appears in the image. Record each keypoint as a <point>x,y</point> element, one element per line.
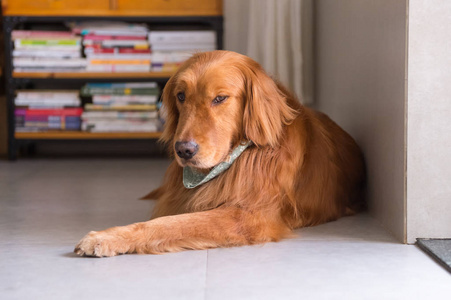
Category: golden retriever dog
<point>299,168</point>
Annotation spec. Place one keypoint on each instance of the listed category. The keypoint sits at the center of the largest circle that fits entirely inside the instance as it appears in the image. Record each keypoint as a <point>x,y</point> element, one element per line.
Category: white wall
<point>429,120</point>
<point>383,72</point>
<point>360,83</point>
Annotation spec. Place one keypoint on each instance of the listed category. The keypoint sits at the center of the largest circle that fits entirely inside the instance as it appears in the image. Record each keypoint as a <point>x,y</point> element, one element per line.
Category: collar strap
<point>192,178</point>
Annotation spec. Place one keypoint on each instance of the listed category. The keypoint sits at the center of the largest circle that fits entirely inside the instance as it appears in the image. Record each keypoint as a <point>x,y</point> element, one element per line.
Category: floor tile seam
<point>360,240</point>
<point>206,277</point>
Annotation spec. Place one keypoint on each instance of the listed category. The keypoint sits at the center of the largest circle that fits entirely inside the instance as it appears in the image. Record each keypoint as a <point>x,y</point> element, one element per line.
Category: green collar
<point>192,178</point>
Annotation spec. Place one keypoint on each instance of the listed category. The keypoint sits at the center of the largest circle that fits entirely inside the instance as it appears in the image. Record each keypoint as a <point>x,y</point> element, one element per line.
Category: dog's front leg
<point>220,227</point>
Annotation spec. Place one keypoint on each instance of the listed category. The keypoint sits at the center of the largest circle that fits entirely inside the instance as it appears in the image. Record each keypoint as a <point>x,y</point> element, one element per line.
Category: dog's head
<point>216,100</point>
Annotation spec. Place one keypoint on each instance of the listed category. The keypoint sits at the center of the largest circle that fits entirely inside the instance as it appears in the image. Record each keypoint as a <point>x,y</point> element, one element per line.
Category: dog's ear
<point>169,111</point>
<point>266,110</point>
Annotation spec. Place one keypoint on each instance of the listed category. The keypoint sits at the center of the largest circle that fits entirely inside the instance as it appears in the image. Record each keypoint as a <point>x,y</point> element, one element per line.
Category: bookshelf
<point>76,135</point>
<point>91,75</point>
<point>96,8</point>
<point>22,13</point>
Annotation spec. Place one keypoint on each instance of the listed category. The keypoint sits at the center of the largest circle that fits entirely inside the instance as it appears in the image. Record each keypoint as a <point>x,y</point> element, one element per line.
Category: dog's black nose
<point>186,150</point>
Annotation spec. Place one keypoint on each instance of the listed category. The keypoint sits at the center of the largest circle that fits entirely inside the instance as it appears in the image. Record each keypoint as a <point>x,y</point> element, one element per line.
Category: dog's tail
<point>153,195</point>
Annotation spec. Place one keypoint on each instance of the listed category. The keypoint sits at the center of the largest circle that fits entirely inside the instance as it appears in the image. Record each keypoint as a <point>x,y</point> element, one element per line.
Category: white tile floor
<point>46,206</point>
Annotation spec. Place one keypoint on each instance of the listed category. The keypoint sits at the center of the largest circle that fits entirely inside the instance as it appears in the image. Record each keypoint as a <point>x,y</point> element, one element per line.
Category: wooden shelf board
<point>110,13</point>
<point>65,135</point>
<point>92,75</point>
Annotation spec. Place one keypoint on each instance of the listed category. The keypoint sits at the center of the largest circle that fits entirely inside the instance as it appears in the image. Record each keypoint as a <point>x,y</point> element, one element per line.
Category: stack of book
<point>47,110</point>
<point>121,107</point>
<point>171,48</point>
<point>115,46</point>
<point>47,51</point>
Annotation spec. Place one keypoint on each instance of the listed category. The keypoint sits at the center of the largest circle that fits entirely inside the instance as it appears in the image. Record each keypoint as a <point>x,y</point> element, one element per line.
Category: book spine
<point>133,51</point>
<point>98,46</point>
<point>49,48</point>
<point>19,121</point>
<point>100,50</point>
<point>122,85</point>
<point>96,37</point>
<point>87,91</point>
<point>115,50</point>
<point>119,61</point>
<point>46,53</point>
<point>55,112</point>
<point>112,115</point>
<point>121,127</point>
<point>50,69</point>
<point>33,34</point>
<point>179,47</point>
<point>29,94</point>
<point>27,62</point>
<point>118,68</point>
<point>20,112</point>
<point>135,107</point>
<point>118,56</point>
<point>201,37</point>
<point>166,67</point>
<point>131,31</point>
<point>105,99</point>
<point>43,102</point>
<point>47,42</point>
<point>118,43</point>
<point>52,122</point>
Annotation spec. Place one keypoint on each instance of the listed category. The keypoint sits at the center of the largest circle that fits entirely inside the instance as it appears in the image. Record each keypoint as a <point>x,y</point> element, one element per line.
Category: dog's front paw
<point>100,244</point>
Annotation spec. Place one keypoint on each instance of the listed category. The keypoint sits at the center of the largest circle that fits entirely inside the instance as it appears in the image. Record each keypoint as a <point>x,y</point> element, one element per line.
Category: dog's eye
<point>181,97</point>
<point>219,99</point>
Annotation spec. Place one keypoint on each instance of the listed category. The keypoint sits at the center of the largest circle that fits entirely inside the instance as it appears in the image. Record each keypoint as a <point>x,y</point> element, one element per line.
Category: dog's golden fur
<point>301,170</point>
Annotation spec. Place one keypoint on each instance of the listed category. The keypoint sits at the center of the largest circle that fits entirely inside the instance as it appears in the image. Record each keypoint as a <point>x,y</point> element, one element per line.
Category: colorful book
<point>115,50</point>
<point>132,107</point>
<point>49,48</point>
<point>117,68</point>
<point>137,44</point>
<point>78,26</point>
<point>122,126</point>
<point>90,91</point>
<point>161,57</point>
<point>107,115</point>
<point>96,37</point>
<point>119,61</point>
<point>180,37</point>
<point>122,85</point>
<point>109,99</point>
<point>47,102</point>
<point>113,31</point>
<point>37,69</point>
<point>47,94</point>
<point>166,67</point>
<point>36,34</point>
<point>48,119</point>
<point>118,56</point>
<point>55,112</point>
<point>46,53</point>
<point>22,62</point>
<point>183,47</point>
<point>47,42</point>
<point>52,124</point>
<point>45,98</point>
<point>109,28</point>
<point>99,46</point>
